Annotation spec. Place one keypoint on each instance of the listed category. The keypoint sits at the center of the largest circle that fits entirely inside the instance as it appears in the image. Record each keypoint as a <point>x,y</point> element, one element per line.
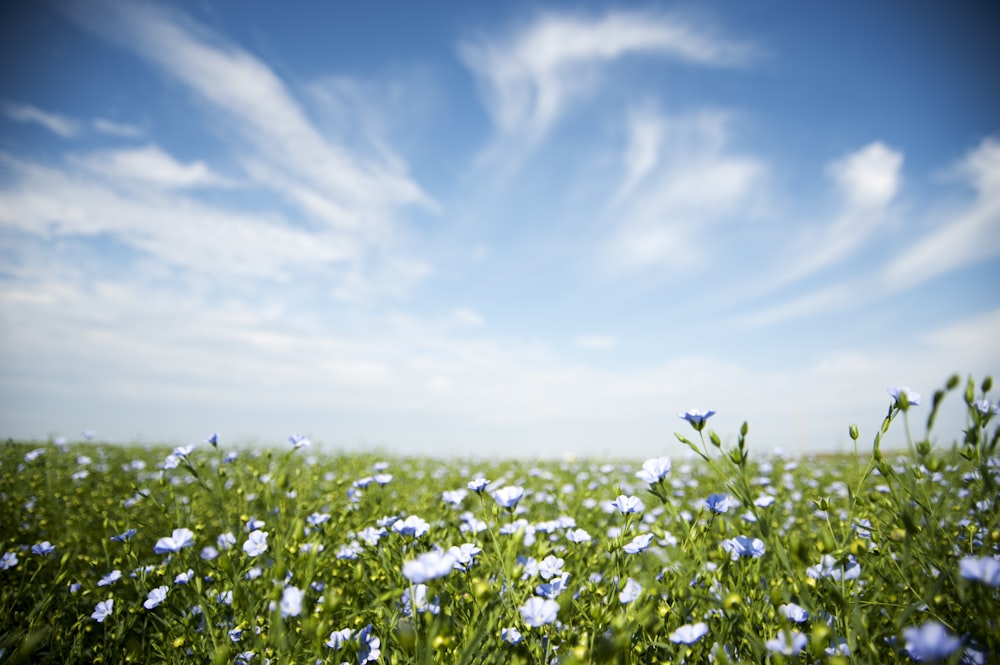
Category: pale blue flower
<point>103,610</point>
<point>155,597</point>
<point>369,646</point>
<point>578,536</point>
<point>627,504</point>
<point>554,587</point>
<point>454,497</point>
<point>985,408</point>
<point>383,478</point>
<point>235,635</point>
<point>185,577</point>
<point>417,600</point>
<point>256,543</point>
<point>763,501</point>
<point>428,566</point>
<point>226,540</point>
<point>477,485</point>
<point>689,633</point>
<point>982,569</point>
<point>43,548</point>
<point>697,418</point>
<point>110,578</point>
<point>903,397</point>
<point>245,657</point>
<point>787,642</point>
<point>464,555</point>
<point>654,470</point>
<point>213,440</point>
<point>930,642</point>
<point>794,612</point>
<point>511,635</point>
<point>720,503</point>
<point>743,546</point>
<point>291,601</point>
<point>827,567</point>
<point>299,441</point>
<point>209,553</point>
<point>339,638</point>
<point>178,540</point>
<point>507,497</point>
<point>412,526</point>
<point>550,567</point>
<point>317,518</point>
<point>123,536</point>
<point>8,560</point>
<point>183,451</point>
<point>630,592</point>
<point>539,611</point>
<point>639,544</point>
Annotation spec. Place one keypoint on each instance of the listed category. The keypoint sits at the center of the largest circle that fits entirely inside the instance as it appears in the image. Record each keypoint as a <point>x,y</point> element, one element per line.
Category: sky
<point>494,229</point>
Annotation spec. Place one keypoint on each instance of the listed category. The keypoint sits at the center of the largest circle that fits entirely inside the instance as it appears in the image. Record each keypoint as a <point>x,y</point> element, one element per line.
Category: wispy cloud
<point>531,78</point>
<point>967,236</point>
<point>682,181</point>
<point>596,342</point>
<point>54,122</point>
<point>150,164</point>
<point>121,129</point>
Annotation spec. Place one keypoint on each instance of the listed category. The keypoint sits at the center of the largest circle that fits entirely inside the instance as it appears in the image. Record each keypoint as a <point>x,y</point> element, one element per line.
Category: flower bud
<point>853,431</point>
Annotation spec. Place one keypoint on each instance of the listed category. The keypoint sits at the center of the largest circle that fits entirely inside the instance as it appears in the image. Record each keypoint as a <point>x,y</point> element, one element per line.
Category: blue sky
<point>493,228</point>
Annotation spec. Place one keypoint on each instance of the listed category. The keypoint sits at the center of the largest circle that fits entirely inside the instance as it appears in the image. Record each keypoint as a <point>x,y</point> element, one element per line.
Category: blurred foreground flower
<point>689,634</point>
<point>930,642</point>
<point>983,569</point>
<point>539,611</point>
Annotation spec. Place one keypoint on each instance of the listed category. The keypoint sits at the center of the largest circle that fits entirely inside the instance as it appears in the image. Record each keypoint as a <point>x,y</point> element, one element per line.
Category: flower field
<point>211,554</point>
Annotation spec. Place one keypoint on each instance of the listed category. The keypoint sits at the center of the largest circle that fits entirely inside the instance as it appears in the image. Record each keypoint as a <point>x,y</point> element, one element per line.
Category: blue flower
<point>417,600</point>
<point>639,543</point>
<point>477,485</point>
<point>339,637</point>
<point>299,441</point>
<point>654,470</point>
<point>256,543</point>
<point>627,504</point>
<point>787,642</point>
<point>103,610</point>
<point>464,555</point>
<point>930,642</point>
<point>511,635</point>
<point>8,560</point>
<point>539,611</point>
<point>720,503</point>
<point>110,578</point>
<point>123,536</point>
<point>983,569</point>
<point>794,612</point>
<point>743,546</point>
<point>578,536</point>
<point>370,646</point>
<point>903,398</point>
<point>697,418</point>
<point>155,597</point>
<point>43,548</point>
<point>413,526</point>
<point>507,497</point>
<point>428,566</point>
<point>179,539</point>
<point>550,567</point>
<point>553,588</point>
<point>291,601</point>
<point>630,592</point>
<point>213,440</point>
<point>689,634</point>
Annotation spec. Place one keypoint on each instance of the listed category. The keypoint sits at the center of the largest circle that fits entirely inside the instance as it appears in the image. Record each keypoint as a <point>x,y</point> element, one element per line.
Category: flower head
<point>123,536</point>
<point>720,503</point>
<point>627,504</point>
<point>787,642</point>
<point>689,633</point>
<point>639,543</point>
<point>743,546</point>
<point>370,646</point>
<point>110,578</point>
<point>8,560</point>
<point>539,611</point>
<point>413,526</point>
<point>697,418</point>
<point>511,635</point>
<point>299,441</point>
<point>930,642</point>
<point>477,485</point>
<point>794,612</point>
<point>464,555</point>
<point>903,398</point>
<point>256,543</point>
<point>175,542</point>
<point>428,566</point>
<point>983,569</point>
<point>630,592</point>
<point>291,601</point>
<point>43,548</point>
<point>339,637</point>
<point>507,497</point>
<point>654,470</point>
<point>103,610</point>
<point>155,597</point>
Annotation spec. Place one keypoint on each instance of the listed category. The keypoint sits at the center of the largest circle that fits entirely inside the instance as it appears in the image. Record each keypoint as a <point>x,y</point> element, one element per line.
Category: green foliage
<point>867,546</point>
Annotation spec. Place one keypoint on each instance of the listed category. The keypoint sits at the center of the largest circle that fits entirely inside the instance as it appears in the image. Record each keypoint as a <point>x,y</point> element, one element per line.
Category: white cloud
<point>869,177</point>
<point>692,184</point>
<point>468,318</point>
<point>55,123</point>
<point>596,342</point>
<point>642,154</point>
<point>963,237</point>
<point>152,165</point>
<point>120,129</point>
<point>530,79</point>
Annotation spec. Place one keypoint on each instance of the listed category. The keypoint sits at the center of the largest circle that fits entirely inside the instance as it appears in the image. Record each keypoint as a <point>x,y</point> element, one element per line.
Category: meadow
<point>212,554</point>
